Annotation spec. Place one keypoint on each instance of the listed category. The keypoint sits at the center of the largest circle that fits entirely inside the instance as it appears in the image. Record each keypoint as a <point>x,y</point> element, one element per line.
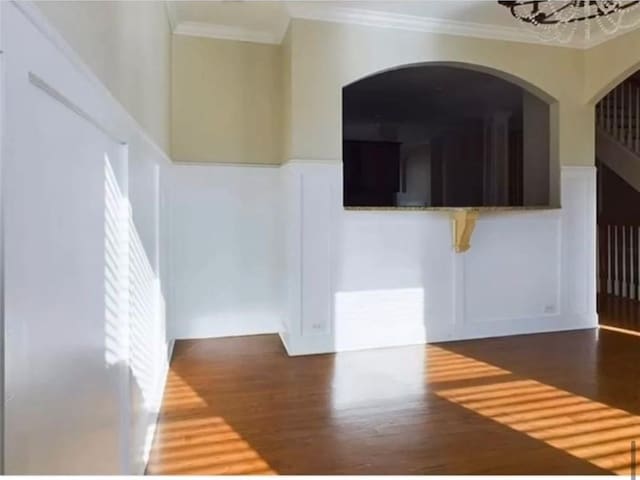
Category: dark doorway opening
<point>618,205</point>
<point>445,136</point>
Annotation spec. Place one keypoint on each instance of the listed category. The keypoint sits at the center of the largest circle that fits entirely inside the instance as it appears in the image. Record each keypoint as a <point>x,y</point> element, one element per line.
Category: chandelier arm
<point>555,20</point>
<point>549,18</point>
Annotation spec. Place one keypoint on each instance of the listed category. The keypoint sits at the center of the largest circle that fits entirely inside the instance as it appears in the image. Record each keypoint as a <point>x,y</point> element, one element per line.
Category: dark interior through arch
<point>444,136</point>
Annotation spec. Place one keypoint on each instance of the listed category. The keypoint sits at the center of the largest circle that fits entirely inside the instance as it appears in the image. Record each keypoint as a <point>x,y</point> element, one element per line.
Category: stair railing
<point>619,115</point>
<point>619,260</point>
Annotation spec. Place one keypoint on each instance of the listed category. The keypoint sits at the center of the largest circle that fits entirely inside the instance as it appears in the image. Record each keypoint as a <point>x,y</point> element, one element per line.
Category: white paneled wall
<point>226,262</point>
<point>367,279</point>
<point>257,249</point>
<point>87,351</point>
<point>97,221</point>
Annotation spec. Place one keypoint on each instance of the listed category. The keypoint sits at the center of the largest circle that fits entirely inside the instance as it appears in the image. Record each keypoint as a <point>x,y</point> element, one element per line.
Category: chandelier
<point>560,20</point>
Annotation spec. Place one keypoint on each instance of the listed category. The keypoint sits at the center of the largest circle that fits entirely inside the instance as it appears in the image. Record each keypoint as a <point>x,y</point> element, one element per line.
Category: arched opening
<point>447,135</point>
<point>618,204</point>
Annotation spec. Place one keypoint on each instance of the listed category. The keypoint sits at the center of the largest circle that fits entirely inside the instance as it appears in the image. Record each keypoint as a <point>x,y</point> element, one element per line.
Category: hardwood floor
<point>619,312</point>
<point>561,403</point>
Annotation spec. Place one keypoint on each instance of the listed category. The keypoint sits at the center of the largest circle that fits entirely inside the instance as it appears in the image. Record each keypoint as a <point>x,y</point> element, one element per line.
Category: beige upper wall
<point>240,102</point>
<point>227,101</point>
<point>248,103</point>
<point>609,63</point>
<point>286,74</point>
<point>327,56</point>
<point>128,47</point>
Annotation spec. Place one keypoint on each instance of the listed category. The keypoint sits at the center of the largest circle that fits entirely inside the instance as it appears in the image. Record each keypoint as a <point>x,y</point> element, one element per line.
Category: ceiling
<point>266,21</point>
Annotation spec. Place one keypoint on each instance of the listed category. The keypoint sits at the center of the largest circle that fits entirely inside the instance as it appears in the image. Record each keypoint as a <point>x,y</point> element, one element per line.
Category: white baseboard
<point>156,413</point>
<point>172,343</point>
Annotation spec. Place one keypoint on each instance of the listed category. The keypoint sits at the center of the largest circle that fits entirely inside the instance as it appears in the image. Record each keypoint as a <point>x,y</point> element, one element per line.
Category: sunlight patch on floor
<point>190,440</point>
<point>446,366</point>
<point>619,330</point>
<point>586,429</point>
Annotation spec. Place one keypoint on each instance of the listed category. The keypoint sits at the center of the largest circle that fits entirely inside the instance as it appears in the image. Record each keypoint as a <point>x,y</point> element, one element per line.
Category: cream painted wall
<point>227,101</point>
<point>609,63</point>
<point>128,46</point>
<point>240,102</point>
<point>327,56</point>
<point>286,96</point>
<point>270,104</point>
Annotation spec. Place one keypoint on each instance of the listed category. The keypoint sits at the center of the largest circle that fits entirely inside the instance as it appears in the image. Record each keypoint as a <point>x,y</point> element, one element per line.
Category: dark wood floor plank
<point>619,312</point>
<point>560,403</point>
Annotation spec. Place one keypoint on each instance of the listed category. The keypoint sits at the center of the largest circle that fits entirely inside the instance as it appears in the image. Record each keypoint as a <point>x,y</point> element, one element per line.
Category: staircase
<point>618,131</point>
<point>618,151</point>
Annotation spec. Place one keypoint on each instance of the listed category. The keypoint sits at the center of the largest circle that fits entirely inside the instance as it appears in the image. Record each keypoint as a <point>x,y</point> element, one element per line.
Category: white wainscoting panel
<point>86,356</point>
<point>392,278</point>
<point>226,267</point>
<point>502,284</point>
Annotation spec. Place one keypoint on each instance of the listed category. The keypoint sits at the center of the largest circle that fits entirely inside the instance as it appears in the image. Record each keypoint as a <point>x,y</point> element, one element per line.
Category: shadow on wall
<point>134,326</point>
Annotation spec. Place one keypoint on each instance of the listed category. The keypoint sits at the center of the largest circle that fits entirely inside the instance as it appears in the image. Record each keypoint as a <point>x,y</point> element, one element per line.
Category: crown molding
<point>374,18</point>
<point>226,32</point>
<point>380,19</point>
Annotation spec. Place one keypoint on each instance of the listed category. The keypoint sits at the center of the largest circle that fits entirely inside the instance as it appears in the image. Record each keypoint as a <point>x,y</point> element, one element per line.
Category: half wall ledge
<point>463,219</point>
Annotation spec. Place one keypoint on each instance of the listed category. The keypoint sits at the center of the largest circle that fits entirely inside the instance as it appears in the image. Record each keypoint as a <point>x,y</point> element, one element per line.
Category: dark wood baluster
<point>600,240</point>
<point>603,269</point>
<point>602,231</point>
<point>613,265</point>
<point>619,315</point>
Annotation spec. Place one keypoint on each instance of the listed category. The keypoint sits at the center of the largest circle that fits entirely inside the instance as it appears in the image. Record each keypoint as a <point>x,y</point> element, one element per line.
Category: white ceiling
<point>266,21</point>
<point>486,12</point>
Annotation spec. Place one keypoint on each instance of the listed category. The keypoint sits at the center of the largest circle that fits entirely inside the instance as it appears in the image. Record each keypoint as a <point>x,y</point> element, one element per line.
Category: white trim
<point>381,19</point>
<point>227,32</point>
<point>573,171</point>
<point>283,340</point>
<point>59,97</point>
<point>33,13</point>
<point>159,395</point>
<point>202,163</point>
<point>296,161</point>
<point>3,147</point>
<point>172,344</point>
<point>374,18</point>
